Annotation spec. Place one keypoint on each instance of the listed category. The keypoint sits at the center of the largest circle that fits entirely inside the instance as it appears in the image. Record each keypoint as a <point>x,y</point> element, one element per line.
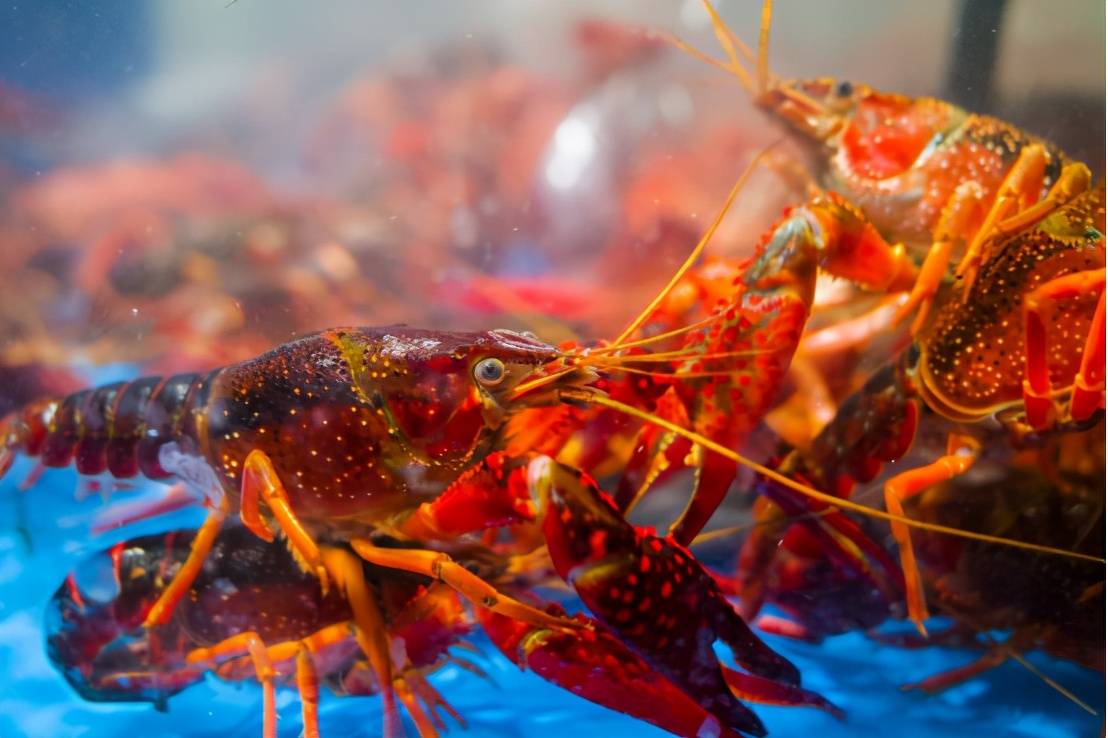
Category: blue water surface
<point>861,676</point>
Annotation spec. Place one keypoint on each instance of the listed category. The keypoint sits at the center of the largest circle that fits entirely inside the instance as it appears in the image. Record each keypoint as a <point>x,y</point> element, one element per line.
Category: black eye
<point>844,89</point>
<point>489,372</point>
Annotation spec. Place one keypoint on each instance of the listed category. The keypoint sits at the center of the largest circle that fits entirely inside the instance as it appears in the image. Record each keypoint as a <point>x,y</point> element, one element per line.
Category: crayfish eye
<point>844,89</point>
<point>489,372</point>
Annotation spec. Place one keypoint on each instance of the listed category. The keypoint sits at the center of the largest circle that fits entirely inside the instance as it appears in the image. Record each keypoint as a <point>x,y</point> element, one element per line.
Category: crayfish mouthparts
<point>559,386</point>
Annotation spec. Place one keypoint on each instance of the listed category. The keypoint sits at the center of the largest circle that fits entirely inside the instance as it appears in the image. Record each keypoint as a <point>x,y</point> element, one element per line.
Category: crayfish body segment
<point>119,428</point>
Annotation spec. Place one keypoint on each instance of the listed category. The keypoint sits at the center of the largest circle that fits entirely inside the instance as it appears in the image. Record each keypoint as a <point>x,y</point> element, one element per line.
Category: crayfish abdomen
<point>120,428</point>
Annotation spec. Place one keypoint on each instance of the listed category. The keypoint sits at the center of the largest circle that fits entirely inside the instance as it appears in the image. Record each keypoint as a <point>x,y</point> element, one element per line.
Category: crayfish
<point>1004,348</point>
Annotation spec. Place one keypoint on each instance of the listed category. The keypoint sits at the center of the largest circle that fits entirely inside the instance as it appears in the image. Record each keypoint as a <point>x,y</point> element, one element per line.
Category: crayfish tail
<point>119,428</point>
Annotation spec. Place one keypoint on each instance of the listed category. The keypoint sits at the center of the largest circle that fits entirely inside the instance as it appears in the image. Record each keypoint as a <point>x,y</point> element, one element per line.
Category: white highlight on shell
<point>193,470</point>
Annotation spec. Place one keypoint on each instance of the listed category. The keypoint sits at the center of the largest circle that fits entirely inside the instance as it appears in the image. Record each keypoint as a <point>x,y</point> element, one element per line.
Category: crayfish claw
<point>653,594</point>
<point>767,692</point>
<point>596,665</point>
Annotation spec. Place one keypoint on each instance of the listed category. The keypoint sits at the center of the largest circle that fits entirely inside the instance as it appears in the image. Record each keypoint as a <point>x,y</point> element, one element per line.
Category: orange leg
<point>1074,180</point>
<point>425,724</point>
<point>229,654</point>
<point>957,219</point>
<point>260,481</point>
<point>1023,184</point>
<point>1020,189</point>
<point>1088,391</point>
<point>162,609</point>
<point>1088,385</point>
<point>369,627</point>
<point>961,452</point>
<point>251,643</point>
<point>432,699</point>
<point>307,683</point>
<point>440,566</point>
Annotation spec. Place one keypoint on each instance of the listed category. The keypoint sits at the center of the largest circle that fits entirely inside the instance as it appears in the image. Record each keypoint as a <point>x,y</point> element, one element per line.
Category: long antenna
<point>649,310</point>
<point>583,395</point>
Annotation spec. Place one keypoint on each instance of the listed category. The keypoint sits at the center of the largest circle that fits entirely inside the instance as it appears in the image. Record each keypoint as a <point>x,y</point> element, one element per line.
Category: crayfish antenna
<point>815,494</point>
<point>695,254</point>
<point>763,46</point>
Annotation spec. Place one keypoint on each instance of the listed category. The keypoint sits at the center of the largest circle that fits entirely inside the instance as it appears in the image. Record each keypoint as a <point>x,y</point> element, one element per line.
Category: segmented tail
<point>119,428</point>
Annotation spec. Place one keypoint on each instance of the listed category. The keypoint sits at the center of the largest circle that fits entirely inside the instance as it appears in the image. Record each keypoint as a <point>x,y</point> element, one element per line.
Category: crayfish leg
<point>250,643</point>
<point>960,216</point>
<point>424,723</point>
<point>162,609</point>
<point>307,684</point>
<point>432,700</point>
<point>224,658</point>
<point>962,451</point>
<point>1018,206</point>
<point>369,628</point>
<point>993,658</point>
<point>441,567</point>
<point>1088,390</point>
<point>261,482</point>
<point>1088,385</point>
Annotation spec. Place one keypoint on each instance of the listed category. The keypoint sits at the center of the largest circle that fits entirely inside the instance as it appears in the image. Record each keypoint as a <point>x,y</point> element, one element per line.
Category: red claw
<point>595,665</point>
<point>653,594</point>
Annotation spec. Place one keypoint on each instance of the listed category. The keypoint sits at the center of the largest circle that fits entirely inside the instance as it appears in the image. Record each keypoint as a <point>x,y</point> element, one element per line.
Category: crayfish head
<point>550,384</point>
<point>817,109</point>
<point>516,371</point>
<point>874,135</point>
<point>446,395</point>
